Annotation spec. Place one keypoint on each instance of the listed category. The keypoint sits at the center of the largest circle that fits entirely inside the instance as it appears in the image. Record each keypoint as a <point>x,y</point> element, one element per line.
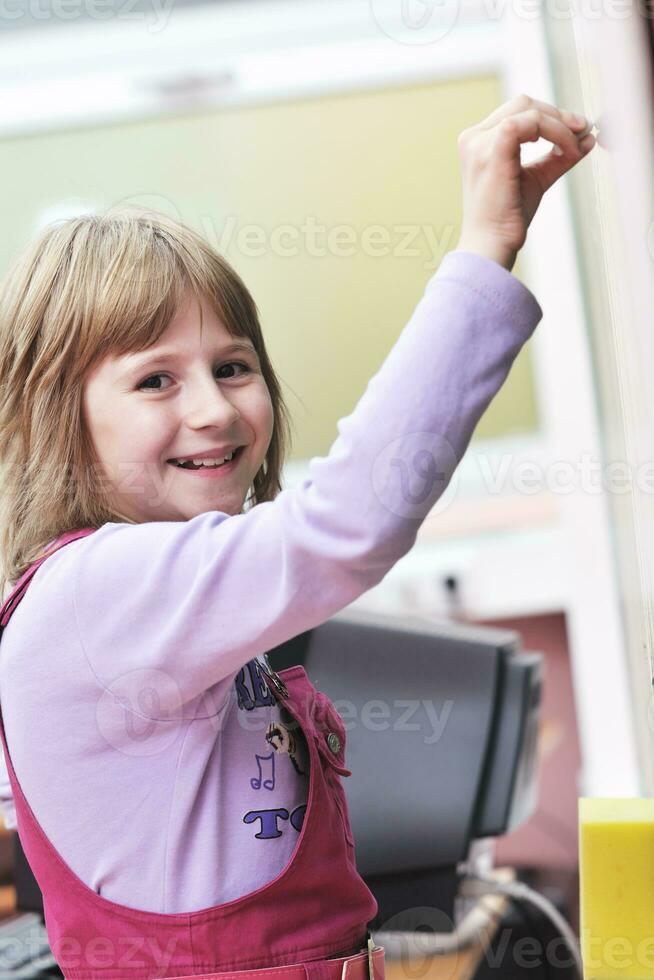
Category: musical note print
<point>255,782</point>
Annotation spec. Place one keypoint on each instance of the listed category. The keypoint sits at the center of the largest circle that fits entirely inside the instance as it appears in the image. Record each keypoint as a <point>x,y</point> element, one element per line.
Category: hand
<point>500,195</point>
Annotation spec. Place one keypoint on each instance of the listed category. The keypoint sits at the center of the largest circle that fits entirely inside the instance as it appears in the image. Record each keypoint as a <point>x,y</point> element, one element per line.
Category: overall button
<point>329,734</point>
<point>334,742</point>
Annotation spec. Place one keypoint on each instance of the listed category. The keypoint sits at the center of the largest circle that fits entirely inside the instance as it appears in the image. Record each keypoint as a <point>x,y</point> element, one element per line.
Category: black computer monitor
<point>442,723</point>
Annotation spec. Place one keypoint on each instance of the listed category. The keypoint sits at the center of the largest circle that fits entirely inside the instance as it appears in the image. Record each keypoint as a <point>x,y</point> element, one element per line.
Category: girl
<point>181,804</point>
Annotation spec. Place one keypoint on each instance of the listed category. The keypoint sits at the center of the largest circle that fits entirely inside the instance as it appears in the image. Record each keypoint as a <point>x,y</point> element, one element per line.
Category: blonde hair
<point>98,284</point>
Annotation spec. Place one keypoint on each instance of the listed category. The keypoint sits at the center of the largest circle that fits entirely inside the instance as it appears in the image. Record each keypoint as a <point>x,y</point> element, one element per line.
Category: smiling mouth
<point>193,468</point>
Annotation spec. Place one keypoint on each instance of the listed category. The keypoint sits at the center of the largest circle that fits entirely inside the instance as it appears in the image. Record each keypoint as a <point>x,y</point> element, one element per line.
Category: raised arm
<point>197,599</point>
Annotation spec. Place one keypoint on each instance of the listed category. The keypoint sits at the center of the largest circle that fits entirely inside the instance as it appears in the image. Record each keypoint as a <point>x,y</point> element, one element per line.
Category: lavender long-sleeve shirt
<point>143,737</point>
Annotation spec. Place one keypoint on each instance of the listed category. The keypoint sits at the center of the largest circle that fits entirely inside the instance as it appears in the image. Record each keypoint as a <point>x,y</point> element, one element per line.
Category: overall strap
<point>18,591</point>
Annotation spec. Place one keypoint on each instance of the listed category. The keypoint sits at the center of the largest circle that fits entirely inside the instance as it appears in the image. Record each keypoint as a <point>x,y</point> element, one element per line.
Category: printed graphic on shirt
<point>257,694</point>
<point>282,744</point>
<point>269,783</point>
<point>284,741</point>
<point>269,826</point>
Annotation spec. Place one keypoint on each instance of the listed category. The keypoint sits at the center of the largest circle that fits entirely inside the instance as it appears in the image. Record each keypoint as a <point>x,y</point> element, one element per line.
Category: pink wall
<point>549,838</point>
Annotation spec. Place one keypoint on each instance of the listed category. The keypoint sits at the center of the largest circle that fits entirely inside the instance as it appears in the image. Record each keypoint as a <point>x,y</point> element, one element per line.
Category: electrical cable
<point>521,892</point>
<point>532,926</point>
<point>521,910</point>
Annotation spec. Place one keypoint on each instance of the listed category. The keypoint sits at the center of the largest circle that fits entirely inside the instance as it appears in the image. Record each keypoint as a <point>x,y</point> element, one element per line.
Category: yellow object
<point>616,879</point>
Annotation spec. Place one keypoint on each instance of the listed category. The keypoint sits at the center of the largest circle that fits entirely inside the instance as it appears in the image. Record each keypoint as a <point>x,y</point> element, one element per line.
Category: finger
<point>548,169</point>
<point>585,132</point>
<point>521,103</point>
<point>575,121</point>
<point>525,127</point>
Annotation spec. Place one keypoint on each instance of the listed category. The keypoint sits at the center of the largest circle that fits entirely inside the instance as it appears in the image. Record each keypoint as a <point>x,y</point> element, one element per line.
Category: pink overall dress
<point>308,923</point>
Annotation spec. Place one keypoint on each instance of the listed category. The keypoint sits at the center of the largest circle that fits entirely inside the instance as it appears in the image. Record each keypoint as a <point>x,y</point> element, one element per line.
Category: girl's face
<point>184,396</point>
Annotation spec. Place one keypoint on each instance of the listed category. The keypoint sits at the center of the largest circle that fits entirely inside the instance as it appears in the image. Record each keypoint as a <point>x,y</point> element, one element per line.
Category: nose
<point>206,403</point>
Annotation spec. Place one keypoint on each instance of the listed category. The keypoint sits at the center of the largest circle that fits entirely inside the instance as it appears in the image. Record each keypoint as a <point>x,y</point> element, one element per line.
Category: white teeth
<point>208,462</point>
<point>212,462</point>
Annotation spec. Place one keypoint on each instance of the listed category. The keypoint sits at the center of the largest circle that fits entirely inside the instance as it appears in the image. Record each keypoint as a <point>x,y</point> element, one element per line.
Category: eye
<point>143,385</point>
<point>245,367</point>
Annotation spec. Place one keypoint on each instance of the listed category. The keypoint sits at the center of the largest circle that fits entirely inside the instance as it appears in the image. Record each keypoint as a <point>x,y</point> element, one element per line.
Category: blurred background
<point>313,143</point>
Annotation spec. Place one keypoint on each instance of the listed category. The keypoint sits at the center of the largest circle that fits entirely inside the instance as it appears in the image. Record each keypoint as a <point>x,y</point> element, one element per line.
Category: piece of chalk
<point>586,131</point>
<point>590,126</point>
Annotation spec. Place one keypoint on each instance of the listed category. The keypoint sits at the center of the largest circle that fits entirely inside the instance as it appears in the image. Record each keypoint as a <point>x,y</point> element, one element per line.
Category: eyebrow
<point>166,356</point>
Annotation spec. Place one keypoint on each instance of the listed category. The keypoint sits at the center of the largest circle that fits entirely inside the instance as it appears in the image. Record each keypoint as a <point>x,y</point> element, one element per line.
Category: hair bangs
<point>101,284</point>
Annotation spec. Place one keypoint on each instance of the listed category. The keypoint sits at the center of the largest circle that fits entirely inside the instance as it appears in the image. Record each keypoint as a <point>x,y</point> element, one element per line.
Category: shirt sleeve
<point>195,600</point>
